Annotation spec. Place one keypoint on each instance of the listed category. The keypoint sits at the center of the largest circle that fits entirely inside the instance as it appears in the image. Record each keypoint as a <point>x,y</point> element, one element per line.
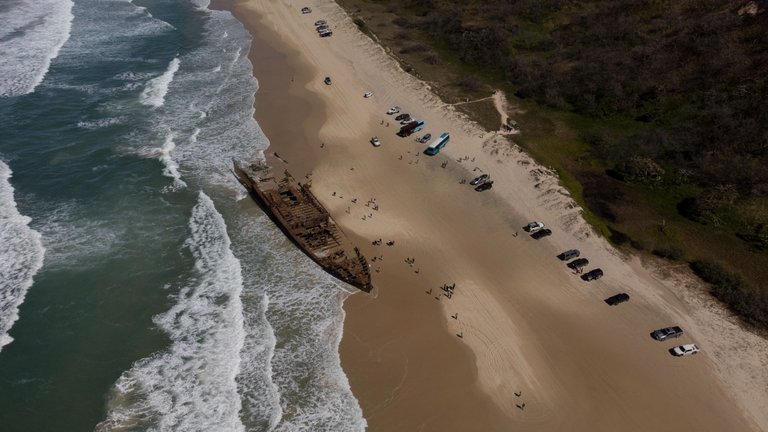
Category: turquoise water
<point>140,289</point>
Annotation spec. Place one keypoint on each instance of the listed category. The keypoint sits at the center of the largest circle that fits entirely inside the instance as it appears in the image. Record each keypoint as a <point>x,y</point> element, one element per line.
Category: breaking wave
<point>21,256</point>
<point>191,386</point>
<point>31,36</point>
<point>156,88</point>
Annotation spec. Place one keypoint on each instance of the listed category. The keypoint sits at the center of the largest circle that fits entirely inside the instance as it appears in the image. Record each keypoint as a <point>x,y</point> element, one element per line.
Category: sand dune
<point>531,332</point>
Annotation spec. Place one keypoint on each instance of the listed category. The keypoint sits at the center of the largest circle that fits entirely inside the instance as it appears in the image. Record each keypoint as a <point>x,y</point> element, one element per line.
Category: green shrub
<point>731,289</point>
<point>670,253</point>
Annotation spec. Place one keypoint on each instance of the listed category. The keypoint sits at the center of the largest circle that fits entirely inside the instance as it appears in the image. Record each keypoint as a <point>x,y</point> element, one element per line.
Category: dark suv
<point>616,299</point>
<point>592,275</point>
<point>667,333</point>
<point>578,263</point>
<point>542,233</point>
<point>571,253</point>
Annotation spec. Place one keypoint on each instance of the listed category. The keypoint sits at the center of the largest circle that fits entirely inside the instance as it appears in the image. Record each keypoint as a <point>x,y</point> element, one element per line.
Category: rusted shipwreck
<point>298,213</point>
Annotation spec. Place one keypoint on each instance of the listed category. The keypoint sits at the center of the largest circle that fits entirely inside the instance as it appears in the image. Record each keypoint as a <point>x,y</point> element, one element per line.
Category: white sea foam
<point>170,167</point>
<point>21,256</point>
<point>100,123</point>
<point>305,314</point>
<point>74,240</point>
<point>156,88</point>
<point>193,137</point>
<point>191,386</point>
<point>32,33</point>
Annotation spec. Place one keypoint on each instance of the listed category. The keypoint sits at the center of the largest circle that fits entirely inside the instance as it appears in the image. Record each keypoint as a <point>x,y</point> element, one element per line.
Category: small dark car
<point>542,233</point>
<point>327,80</point>
<point>592,275</point>
<point>402,116</point>
<point>667,333</point>
<point>571,253</point>
<point>326,34</point>
<point>616,299</point>
<point>578,263</point>
<point>479,179</point>
<point>485,186</point>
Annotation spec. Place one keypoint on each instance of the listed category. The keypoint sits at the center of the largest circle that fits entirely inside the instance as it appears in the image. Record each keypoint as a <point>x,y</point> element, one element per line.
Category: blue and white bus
<point>437,144</point>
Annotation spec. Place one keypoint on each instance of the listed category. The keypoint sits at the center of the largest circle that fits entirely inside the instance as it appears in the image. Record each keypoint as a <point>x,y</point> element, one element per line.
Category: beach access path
<point>533,347</point>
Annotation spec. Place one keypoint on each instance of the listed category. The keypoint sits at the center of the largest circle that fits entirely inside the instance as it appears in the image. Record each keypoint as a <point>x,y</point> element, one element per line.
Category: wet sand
<point>532,333</point>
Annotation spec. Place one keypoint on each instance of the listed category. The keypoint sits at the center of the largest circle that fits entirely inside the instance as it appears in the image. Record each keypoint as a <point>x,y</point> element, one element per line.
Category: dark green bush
<point>731,289</point>
<point>671,253</point>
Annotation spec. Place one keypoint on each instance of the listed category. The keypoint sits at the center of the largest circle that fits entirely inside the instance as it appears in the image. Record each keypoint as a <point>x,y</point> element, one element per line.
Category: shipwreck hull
<point>300,216</point>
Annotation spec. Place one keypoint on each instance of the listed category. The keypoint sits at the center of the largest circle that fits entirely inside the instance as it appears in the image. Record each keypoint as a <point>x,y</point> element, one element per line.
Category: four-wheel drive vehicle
<point>592,275</point>
<point>485,186</point>
<point>479,179</point>
<point>425,138</point>
<point>327,80</point>
<point>326,33</point>
<point>578,263</point>
<point>616,299</point>
<point>402,116</point>
<point>306,10</point>
<point>368,94</point>
<point>570,253</point>
<point>393,110</point>
<point>410,127</point>
<point>322,29</point>
<point>541,233</point>
<point>375,141</point>
<point>532,227</point>
<point>320,23</point>
<point>667,333</point>
<point>684,350</point>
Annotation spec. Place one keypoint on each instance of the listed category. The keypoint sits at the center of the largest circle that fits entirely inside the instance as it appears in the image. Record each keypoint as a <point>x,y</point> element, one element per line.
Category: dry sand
<point>529,327</point>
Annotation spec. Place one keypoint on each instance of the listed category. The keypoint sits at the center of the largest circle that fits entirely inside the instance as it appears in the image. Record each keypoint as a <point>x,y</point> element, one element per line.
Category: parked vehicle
<point>592,275</point>
<point>375,141</point>
<point>685,350</point>
<point>570,253</point>
<point>406,120</point>
<point>368,94</point>
<point>437,144</point>
<point>393,110</point>
<point>306,10</point>
<point>326,34</point>
<point>617,299</point>
<point>411,127</point>
<point>425,138</point>
<point>667,333</point>
<point>578,263</point>
<point>322,29</point>
<point>479,179</point>
<point>542,233</point>
<point>484,187</point>
<point>402,116</point>
<point>320,23</point>
<point>327,80</point>
<point>532,227</point>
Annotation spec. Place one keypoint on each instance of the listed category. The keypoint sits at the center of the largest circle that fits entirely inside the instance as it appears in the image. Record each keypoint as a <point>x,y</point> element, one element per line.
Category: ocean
<point>140,288</point>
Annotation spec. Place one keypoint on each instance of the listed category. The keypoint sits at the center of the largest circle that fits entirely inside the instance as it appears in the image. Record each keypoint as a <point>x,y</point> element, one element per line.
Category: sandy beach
<point>523,343</point>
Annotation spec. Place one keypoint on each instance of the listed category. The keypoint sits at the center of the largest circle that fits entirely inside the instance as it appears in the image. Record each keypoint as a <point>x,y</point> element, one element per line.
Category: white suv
<point>684,350</point>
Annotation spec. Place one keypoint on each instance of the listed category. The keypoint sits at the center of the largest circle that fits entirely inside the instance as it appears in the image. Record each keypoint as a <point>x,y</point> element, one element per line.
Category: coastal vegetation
<point>652,113</point>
